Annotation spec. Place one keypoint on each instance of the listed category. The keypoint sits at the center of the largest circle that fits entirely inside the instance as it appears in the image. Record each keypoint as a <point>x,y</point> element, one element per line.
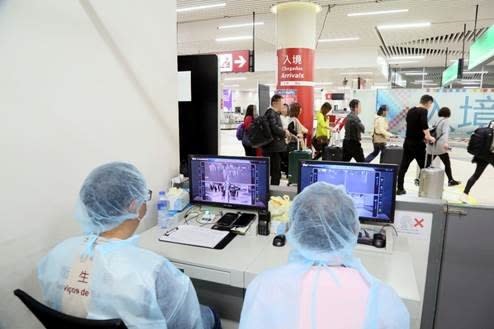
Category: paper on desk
<point>195,236</point>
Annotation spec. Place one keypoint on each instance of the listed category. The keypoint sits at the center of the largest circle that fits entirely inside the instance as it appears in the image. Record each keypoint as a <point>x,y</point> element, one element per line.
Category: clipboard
<point>196,236</point>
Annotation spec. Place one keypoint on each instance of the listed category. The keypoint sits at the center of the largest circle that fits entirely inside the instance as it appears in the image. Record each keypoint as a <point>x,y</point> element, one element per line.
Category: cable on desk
<point>389,225</point>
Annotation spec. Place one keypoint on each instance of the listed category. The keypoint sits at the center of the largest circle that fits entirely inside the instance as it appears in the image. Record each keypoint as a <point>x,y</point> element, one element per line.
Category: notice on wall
<point>184,86</point>
<point>413,224</point>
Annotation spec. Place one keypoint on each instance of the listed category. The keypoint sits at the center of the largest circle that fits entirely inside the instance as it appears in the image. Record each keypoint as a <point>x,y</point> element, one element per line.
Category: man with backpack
<point>417,135</point>
<point>481,146</point>
<point>277,145</point>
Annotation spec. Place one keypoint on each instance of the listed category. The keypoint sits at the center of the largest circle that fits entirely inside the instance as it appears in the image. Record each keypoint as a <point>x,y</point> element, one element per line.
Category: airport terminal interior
<point>206,164</point>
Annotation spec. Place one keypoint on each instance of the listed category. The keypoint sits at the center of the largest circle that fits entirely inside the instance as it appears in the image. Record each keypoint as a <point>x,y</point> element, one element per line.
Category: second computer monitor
<point>372,187</point>
<point>232,182</point>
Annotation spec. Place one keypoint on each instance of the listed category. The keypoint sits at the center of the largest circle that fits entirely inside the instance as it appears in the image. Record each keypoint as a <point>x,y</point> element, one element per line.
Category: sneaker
<point>401,191</point>
<point>464,198</point>
<point>453,182</point>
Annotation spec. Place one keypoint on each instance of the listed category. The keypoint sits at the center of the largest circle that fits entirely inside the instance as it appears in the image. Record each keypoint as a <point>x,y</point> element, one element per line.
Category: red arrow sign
<point>234,61</point>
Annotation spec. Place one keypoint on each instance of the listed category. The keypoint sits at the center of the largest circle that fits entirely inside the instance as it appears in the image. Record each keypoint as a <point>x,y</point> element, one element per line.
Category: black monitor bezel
<point>226,205</point>
<point>364,220</point>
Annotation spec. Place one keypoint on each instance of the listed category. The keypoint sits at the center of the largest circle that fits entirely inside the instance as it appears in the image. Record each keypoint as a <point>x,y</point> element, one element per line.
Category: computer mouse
<point>279,240</point>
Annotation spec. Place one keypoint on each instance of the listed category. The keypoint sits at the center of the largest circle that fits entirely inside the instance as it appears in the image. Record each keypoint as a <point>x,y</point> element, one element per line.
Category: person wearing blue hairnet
<point>323,285</point>
<point>104,275</point>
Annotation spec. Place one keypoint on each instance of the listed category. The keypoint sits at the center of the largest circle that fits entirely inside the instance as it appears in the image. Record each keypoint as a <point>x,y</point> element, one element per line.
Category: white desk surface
<point>394,269</point>
<point>225,266</point>
<point>246,256</point>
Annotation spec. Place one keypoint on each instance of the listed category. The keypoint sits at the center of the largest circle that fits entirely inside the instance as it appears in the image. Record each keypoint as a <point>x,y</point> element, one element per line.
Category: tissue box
<point>177,199</point>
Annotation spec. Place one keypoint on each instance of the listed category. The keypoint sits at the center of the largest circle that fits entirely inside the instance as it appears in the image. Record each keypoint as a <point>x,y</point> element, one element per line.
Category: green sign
<point>482,49</point>
<point>452,73</point>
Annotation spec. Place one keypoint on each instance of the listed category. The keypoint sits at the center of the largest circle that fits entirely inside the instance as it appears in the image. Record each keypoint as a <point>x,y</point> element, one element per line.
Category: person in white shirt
<point>285,118</point>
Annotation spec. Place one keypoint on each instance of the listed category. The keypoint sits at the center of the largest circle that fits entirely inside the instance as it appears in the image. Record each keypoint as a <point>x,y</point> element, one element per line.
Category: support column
<point>295,44</point>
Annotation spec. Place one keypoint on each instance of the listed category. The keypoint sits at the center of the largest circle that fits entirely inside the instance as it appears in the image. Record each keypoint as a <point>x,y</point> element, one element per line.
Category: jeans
<point>378,147</point>
<point>352,149</point>
<point>447,163</point>
<point>210,319</point>
<point>481,165</point>
<point>412,150</point>
<point>275,166</point>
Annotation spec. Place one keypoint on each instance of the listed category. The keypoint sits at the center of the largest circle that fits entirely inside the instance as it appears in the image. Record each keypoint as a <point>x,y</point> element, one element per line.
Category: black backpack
<point>259,133</point>
<point>480,142</point>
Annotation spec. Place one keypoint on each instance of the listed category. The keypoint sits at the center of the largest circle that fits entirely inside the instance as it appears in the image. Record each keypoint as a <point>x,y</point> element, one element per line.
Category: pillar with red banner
<point>296,41</point>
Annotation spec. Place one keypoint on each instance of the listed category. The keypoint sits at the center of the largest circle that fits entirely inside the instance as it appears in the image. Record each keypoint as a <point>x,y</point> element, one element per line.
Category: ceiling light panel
<point>238,38</point>
<point>233,26</point>
<point>202,7</point>
<point>404,26</point>
<point>380,12</point>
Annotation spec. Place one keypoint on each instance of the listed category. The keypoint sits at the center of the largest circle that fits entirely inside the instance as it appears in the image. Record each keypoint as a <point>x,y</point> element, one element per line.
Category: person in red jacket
<point>248,119</point>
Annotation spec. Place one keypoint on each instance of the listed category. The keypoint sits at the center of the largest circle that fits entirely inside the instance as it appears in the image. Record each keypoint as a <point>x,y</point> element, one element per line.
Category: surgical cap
<point>110,195</point>
<point>323,223</point>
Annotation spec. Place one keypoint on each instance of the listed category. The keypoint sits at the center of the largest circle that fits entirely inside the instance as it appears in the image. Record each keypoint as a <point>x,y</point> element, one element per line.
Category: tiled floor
<point>461,163</point>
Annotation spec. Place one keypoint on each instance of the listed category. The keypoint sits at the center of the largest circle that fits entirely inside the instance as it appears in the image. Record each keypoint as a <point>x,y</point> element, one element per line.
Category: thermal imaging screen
<point>230,181</point>
<point>370,186</point>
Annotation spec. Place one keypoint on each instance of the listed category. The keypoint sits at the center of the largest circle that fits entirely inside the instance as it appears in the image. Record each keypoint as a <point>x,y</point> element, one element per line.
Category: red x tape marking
<point>419,222</point>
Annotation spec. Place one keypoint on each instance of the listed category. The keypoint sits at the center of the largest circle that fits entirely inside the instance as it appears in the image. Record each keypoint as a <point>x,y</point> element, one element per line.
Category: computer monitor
<point>230,182</point>
<point>371,186</point>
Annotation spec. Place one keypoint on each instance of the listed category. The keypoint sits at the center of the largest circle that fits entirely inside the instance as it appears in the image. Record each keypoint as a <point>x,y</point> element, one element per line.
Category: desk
<point>246,256</point>
<point>394,269</point>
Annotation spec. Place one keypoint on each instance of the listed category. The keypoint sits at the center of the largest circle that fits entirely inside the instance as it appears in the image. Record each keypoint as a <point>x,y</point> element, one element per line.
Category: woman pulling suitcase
<point>441,147</point>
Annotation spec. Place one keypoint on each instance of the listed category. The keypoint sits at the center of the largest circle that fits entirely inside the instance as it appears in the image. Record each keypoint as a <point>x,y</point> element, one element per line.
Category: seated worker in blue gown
<point>323,285</point>
<point>103,274</point>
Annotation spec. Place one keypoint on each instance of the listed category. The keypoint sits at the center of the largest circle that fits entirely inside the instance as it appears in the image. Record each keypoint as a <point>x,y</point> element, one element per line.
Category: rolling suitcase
<point>392,154</point>
<point>332,152</point>
<point>431,181</point>
<point>294,158</point>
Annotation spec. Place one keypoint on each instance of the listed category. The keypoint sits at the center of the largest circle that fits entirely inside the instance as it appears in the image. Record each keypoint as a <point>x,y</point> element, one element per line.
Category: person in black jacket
<point>417,135</point>
<point>275,149</point>
<point>353,134</point>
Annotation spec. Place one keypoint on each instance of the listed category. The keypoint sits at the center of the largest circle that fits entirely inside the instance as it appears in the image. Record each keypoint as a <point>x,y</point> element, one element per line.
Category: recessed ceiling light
<point>470,82</point>
<point>401,62</point>
<point>356,73</point>
<point>412,73</point>
<point>213,5</point>
<point>404,58</point>
<point>242,37</point>
<point>233,26</point>
<point>381,12</point>
<point>235,79</point>
<point>403,26</point>
<point>339,39</point>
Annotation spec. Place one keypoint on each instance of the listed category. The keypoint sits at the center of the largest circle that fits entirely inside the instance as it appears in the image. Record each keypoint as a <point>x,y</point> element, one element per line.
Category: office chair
<point>52,319</point>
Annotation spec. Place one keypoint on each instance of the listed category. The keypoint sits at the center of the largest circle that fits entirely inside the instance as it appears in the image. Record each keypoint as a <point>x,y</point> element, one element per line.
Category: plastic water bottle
<point>163,217</point>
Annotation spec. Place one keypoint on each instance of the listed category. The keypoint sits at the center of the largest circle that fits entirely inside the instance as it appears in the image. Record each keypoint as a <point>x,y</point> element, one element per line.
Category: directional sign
<point>236,61</point>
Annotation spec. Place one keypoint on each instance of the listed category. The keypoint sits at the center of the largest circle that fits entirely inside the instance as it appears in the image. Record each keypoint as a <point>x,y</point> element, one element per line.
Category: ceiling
<point>197,31</point>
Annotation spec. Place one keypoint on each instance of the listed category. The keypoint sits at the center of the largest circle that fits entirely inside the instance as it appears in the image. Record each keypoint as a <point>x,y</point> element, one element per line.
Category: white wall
<point>71,98</point>
<point>244,98</point>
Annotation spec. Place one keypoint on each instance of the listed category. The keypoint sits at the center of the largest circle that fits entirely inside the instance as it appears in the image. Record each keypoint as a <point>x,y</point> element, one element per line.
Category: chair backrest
<point>52,319</point>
